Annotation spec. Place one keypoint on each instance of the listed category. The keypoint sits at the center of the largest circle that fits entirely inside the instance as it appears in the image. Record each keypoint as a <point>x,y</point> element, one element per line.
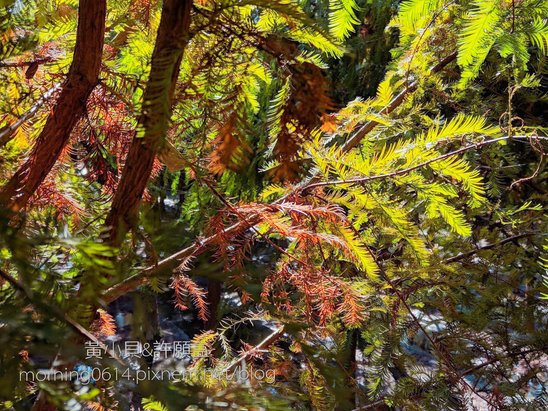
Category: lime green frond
<point>313,57</point>
<point>273,191</point>
<point>342,18</point>
<point>314,38</point>
<point>286,17</point>
<point>453,217</point>
<point>393,215</point>
<point>479,27</point>
<point>480,31</point>
<point>514,45</point>
<point>269,20</point>
<point>414,13</point>
<point>362,256</point>
<point>460,171</point>
<point>275,110</point>
<point>538,34</point>
<point>438,198</point>
<point>327,159</point>
<point>380,162</point>
<point>149,404</point>
<point>386,91</point>
<point>358,203</point>
<point>458,126</point>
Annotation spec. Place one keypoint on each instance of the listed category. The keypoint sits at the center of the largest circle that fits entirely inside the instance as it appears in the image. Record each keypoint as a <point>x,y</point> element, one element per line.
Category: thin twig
<point>361,180</point>
<point>26,63</point>
<point>498,359</point>
<point>269,340</point>
<point>462,256</point>
<point>7,133</point>
<point>370,406</point>
<point>445,359</point>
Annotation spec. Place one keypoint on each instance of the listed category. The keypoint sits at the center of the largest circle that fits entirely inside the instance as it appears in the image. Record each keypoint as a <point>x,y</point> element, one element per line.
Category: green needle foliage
<point>344,208</point>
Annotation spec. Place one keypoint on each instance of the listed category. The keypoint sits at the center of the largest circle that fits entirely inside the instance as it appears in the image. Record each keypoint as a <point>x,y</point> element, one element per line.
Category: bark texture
<point>82,78</point>
<point>171,40</point>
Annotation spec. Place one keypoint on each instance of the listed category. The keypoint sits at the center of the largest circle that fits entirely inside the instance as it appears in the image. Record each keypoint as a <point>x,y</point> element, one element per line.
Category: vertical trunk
<point>171,41</point>
<point>82,77</point>
<point>349,364</point>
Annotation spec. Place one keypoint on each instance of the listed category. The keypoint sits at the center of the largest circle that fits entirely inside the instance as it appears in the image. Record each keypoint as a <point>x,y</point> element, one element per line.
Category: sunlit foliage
<point>345,197</point>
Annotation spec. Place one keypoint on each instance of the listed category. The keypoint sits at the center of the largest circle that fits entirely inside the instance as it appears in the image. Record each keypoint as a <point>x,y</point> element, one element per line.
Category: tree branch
<point>25,63</point>
<point>82,78</point>
<point>59,314</point>
<point>8,132</point>
<point>201,245</point>
<point>498,359</point>
<point>269,340</point>
<point>463,256</point>
<point>361,180</point>
<point>171,41</point>
<point>395,103</point>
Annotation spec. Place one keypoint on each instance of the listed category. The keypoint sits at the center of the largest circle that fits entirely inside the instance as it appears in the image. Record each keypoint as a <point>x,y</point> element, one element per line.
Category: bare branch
<point>463,256</point>
<point>8,132</point>
<point>26,63</point>
<point>269,340</point>
<point>497,359</point>
<point>59,314</point>
<point>403,171</point>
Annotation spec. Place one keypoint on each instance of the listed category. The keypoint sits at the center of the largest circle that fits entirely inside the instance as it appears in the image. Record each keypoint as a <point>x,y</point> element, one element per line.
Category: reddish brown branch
<point>25,63</point>
<point>81,79</point>
<point>171,40</point>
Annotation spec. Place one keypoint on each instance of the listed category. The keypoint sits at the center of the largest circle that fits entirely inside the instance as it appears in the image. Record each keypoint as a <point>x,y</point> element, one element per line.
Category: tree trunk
<point>82,77</point>
<point>171,40</point>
